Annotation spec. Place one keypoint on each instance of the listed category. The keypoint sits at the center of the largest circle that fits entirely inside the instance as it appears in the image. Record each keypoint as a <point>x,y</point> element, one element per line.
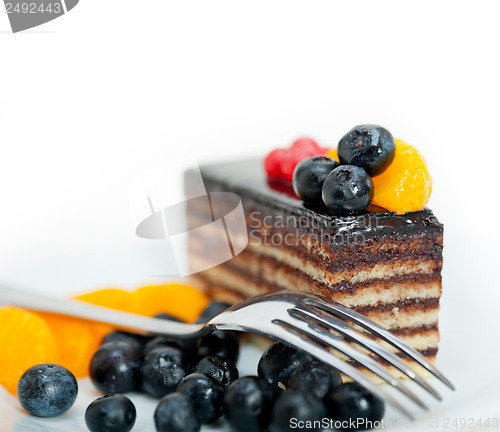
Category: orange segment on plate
<point>406,185</point>
<point>77,341</point>
<point>111,298</point>
<point>26,340</point>
<point>182,301</point>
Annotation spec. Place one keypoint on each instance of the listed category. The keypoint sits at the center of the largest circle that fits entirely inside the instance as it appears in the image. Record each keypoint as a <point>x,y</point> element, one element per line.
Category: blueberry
<point>121,336</point>
<point>111,413</point>
<point>189,346</point>
<point>162,342</point>
<point>352,401</point>
<point>220,368</point>
<point>213,309</point>
<point>348,189</point>
<point>47,390</point>
<point>279,361</point>
<point>176,413</point>
<point>248,404</point>
<point>163,369</point>
<point>370,147</point>
<point>294,409</point>
<point>220,343</point>
<point>309,176</point>
<point>316,378</point>
<point>207,395</point>
<point>168,317</point>
<point>114,368</point>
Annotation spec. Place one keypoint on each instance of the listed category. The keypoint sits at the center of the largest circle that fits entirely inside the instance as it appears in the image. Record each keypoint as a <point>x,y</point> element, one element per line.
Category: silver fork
<point>305,321</point>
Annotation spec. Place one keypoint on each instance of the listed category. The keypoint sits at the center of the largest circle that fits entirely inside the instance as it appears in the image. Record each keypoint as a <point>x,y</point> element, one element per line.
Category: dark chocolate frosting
<point>247,178</point>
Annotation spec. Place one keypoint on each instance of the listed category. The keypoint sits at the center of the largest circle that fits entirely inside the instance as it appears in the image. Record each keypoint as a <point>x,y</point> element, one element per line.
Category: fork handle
<point>79,309</point>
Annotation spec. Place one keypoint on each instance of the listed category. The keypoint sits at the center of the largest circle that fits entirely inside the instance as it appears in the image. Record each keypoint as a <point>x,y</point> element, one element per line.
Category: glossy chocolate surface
<point>248,179</point>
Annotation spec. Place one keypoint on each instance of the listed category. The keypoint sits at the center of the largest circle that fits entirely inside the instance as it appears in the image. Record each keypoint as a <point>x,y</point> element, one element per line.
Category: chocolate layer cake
<point>386,266</point>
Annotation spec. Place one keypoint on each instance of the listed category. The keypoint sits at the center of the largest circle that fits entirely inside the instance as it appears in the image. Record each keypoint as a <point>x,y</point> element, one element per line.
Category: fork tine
<point>289,337</point>
<point>332,322</point>
<point>321,334</point>
<point>342,311</point>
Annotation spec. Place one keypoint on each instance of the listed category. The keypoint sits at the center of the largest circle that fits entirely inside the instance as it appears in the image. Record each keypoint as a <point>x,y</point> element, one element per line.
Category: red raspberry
<point>280,163</point>
<point>324,150</point>
<point>306,144</point>
<point>274,161</point>
<point>291,161</point>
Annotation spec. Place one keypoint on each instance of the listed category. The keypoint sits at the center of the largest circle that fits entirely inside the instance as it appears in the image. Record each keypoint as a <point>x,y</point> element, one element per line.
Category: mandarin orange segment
<point>111,298</point>
<point>182,301</point>
<point>406,185</point>
<point>26,340</point>
<point>77,341</point>
<point>333,154</point>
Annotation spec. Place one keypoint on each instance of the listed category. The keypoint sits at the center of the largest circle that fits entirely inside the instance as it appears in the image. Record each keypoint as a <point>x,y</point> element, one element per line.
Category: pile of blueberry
<point>197,383</point>
<point>189,375</point>
<point>306,392</point>
<point>346,187</point>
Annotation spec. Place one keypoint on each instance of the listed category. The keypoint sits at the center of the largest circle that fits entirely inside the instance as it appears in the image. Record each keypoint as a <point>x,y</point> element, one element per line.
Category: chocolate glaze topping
<point>248,179</point>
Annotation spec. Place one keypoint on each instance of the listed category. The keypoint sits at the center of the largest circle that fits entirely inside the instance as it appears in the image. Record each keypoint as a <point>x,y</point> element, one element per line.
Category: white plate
<point>468,354</point>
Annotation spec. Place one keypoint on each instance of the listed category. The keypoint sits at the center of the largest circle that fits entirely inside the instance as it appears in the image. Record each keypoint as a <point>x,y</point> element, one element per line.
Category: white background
<point>115,87</point>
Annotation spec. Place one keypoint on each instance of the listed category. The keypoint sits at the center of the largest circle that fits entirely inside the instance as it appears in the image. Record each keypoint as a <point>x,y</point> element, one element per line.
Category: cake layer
<point>415,326</point>
<point>397,314</point>
<point>268,275</point>
<point>306,253</point>
<point>384,280</point>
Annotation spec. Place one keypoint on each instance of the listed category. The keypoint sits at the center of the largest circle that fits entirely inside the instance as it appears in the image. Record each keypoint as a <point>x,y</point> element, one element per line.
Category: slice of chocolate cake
<point>386,266</point>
